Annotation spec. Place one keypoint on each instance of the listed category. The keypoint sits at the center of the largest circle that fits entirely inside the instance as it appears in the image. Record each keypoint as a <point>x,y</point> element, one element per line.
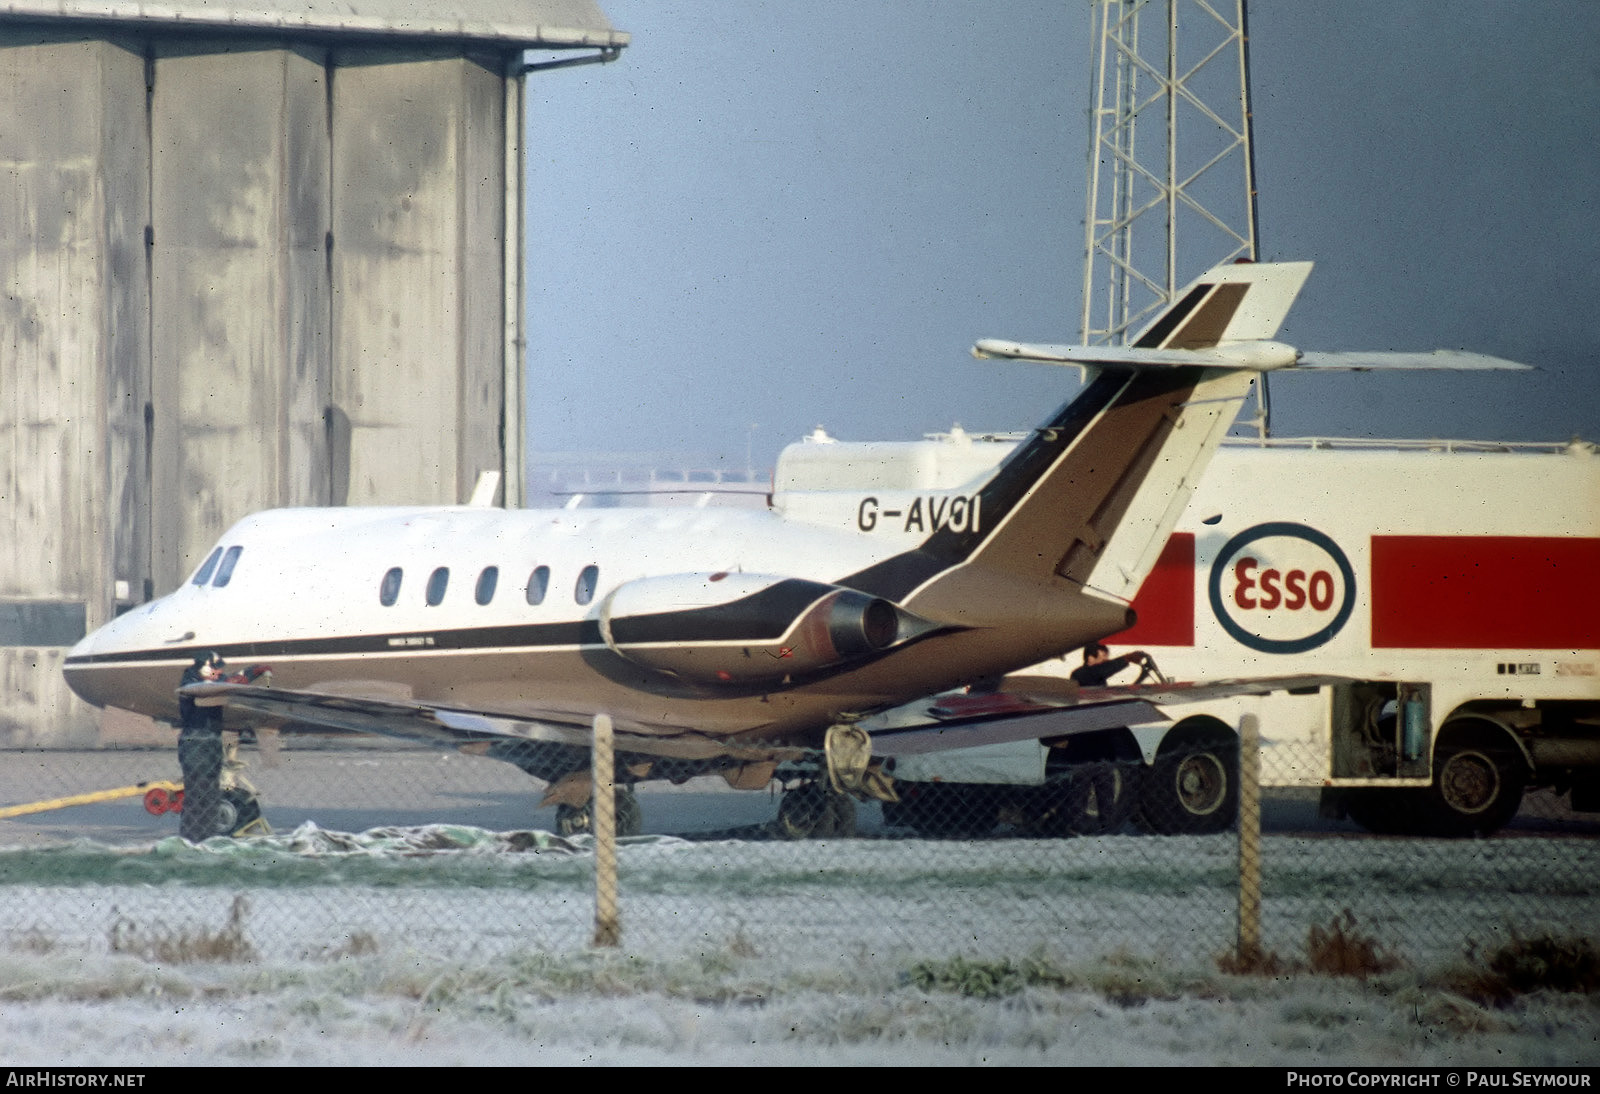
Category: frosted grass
<point>446,944</point>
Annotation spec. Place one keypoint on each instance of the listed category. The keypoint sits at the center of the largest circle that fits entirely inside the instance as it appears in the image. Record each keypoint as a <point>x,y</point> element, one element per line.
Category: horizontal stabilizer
<point>1444,359</point>
<point>1250,356</point>
<point>1225,319</point>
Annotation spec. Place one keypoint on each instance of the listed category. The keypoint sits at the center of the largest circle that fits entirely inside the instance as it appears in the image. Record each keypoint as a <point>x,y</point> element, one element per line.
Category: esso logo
<point>1282,588</point>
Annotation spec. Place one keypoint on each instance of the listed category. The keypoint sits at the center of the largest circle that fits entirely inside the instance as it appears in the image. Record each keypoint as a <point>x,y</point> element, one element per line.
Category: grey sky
<point>786,214</point>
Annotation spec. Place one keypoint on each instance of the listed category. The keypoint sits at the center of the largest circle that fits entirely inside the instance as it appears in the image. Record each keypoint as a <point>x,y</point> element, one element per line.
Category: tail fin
<point>1090,497</point>
<point>1243,302</point>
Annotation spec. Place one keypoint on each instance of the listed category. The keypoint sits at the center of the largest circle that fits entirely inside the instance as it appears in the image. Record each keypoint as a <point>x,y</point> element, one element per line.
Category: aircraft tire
<point>812,812</point>
<point>577,820</point>
<point>573,820</point>
<point>843,807</point>
<point>1193,786</point>
<point>237,809</point>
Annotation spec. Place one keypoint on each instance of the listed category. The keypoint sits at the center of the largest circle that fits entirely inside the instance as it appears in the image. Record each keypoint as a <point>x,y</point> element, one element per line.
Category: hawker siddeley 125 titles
<point>732,641</point>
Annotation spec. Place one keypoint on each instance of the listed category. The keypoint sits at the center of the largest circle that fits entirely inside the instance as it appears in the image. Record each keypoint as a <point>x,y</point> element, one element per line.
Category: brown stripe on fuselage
<point>1059,529</point>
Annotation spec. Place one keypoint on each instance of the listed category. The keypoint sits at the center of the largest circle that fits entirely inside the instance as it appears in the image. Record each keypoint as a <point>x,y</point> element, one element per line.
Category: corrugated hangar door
<point>237,275</point>
<point>417,266</point>
<point>326,267</point>
<point>239,297</point>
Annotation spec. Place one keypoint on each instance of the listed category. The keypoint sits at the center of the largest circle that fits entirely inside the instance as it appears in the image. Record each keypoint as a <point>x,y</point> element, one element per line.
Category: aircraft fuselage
<point>501,612</point>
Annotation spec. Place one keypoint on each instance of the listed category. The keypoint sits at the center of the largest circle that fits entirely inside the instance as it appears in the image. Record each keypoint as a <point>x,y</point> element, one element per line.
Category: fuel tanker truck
<point>1453,588</point>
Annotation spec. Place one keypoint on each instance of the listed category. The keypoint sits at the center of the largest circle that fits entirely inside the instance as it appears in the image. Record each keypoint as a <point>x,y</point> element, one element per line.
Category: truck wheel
<point>1477,781</point>
<point>1193,787</point>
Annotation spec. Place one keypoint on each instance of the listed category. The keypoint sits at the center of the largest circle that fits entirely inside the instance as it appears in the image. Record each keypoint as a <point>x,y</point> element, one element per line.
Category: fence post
<point>603,803</point>
<point>1249,840</point>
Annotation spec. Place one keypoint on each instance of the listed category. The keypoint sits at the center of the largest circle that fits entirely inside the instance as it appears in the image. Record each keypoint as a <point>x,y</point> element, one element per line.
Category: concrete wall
<point>72,332</point>
<point>235,275</point>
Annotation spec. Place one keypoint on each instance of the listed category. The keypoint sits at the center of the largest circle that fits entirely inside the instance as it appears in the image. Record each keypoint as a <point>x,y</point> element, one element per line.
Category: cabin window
<point>583,592</point>
<point>389,590</point>
<point>229,561</point>
<point>486,583</point>
<point>538,584</point>
<point>437,581</point>
<point>208,567</point>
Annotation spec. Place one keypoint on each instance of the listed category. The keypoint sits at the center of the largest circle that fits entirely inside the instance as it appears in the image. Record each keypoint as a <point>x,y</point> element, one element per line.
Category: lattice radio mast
<point>1197,184</point>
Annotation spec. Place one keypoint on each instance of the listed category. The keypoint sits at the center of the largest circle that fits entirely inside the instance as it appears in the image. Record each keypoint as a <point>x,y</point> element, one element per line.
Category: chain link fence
<point>377,848</point>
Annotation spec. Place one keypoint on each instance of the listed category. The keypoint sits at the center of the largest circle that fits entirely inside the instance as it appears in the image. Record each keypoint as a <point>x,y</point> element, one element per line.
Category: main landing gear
<point>823,804</point>
<point>813,810</point>
<point>575,820</point>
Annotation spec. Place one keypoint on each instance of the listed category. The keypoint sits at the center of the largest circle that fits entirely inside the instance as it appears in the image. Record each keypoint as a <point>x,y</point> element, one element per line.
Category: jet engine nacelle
<point>735,628</point>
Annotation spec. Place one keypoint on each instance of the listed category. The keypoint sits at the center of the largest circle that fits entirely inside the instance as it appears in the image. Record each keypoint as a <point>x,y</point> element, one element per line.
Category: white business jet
<point>732,641</point>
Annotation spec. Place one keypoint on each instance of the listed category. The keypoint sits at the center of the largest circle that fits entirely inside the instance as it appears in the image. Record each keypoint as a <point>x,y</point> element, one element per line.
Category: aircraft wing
<point>1038,708</point>
<point>1030,708</point>
<point>449,727</point>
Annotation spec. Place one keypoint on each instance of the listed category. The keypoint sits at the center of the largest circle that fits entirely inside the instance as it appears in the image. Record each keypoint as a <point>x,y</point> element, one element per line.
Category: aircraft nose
<point>84,668</point>
<point>85,646</point>
<point>78,671</point>
<point>75,670</point>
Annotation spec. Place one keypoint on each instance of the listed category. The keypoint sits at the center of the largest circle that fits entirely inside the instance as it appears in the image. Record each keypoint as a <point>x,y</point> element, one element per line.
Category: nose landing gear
<point>238,809</point>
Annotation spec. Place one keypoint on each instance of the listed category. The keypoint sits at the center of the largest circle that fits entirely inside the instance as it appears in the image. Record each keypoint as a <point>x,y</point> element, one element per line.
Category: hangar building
<point>249,257</point>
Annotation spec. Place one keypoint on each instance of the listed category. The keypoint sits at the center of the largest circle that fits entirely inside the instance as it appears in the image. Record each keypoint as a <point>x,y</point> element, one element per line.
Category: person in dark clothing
<point>1099,666</point>
<point>200,754</point>
<point>1097,780</point>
